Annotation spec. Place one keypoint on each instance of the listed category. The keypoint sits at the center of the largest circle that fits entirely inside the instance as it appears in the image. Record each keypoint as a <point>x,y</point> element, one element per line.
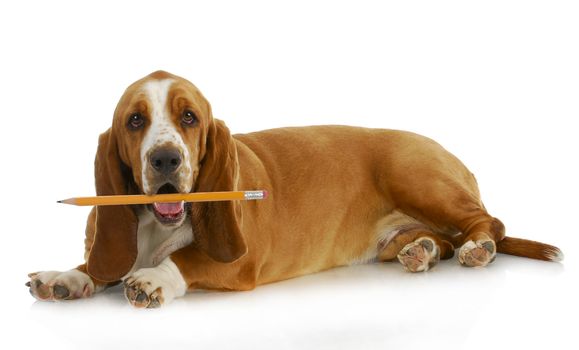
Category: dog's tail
<point>529,249</point>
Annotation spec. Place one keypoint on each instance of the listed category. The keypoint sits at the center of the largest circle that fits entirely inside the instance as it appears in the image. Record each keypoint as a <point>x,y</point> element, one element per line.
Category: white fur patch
<point>78,283</point>
<point>162,131</point>
<point>157,241</point>
<point>555,255</point>
<point>166,276</point>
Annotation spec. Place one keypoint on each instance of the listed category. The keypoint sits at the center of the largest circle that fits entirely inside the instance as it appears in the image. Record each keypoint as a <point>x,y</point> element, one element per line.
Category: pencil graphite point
<point>66,201</point>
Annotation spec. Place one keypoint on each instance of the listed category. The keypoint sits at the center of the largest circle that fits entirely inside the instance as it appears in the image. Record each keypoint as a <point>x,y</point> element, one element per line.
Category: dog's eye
<point>136,121</point>
<point>188,118</point>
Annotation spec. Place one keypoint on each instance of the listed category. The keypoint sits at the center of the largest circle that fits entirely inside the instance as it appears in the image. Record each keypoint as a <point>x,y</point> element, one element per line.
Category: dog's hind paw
<point>420,255</point>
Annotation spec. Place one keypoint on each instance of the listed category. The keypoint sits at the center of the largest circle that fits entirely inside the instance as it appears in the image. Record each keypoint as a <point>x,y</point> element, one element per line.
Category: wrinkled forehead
<point>166,91</point>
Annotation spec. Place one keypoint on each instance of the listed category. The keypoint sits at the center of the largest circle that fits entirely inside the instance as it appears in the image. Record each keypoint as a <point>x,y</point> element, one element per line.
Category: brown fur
<point>529,249</point>
<point>332,190</point>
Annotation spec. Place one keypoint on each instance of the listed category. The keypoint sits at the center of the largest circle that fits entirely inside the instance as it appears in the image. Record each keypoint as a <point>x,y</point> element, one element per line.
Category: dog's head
<point>164,139</point>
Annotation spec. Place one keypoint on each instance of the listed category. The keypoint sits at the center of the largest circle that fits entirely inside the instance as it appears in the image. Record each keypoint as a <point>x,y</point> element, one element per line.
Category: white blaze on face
<point>162,131</point>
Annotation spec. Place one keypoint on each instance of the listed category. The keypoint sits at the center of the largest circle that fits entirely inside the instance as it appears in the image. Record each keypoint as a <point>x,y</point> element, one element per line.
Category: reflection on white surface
<point>366,306</point>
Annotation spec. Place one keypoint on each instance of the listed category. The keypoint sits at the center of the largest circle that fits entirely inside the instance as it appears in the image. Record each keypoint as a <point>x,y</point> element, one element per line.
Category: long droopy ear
<point>216,225</point>
<point>114,250</point>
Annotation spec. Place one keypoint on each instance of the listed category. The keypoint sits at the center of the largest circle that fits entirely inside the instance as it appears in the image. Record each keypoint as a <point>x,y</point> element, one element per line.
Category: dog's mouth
<point>169,213</point>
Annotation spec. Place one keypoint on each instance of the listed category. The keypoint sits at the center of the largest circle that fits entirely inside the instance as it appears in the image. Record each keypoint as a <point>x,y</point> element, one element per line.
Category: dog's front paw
<point>153,287</point>
<point>56,285</point>
<point>140,294</point>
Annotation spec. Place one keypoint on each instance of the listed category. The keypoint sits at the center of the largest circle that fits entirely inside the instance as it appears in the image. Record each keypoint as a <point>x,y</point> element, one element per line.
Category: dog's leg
<point>479,242</point>
<point>185,269</point>
<point>67,285</point>
<point>440,191</point>
<point>417,250</point>
<point>428,183</point>
<point>155,286</point>
<point>478,231</point>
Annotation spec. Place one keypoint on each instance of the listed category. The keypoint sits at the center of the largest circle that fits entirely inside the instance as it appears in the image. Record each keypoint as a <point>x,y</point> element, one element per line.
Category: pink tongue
<point>168,208</point>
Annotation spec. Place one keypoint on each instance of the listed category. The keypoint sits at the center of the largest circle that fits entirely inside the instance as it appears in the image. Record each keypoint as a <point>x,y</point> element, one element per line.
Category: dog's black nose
<point>165,160</point>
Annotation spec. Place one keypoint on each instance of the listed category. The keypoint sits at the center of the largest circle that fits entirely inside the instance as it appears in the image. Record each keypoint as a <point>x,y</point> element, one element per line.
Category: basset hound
<point>338,196</point>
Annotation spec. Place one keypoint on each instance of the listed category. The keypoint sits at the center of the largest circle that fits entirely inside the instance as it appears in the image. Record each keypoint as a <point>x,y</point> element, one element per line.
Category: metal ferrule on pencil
<point>252,195</point>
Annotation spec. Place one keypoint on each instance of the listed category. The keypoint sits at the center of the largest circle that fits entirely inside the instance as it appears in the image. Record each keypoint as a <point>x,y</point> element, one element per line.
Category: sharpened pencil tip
<point>67,201</point>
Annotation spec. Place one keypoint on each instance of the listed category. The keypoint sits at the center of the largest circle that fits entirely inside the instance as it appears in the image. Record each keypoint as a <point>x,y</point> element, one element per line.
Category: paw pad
<point>479,253</point>
<point>138,297</point>
<point>60,292</point>
<point>55,285</point>
<point>420,255</point>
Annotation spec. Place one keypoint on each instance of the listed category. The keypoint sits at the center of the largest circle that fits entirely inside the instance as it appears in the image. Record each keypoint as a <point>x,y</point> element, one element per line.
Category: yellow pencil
<point>167,198</point>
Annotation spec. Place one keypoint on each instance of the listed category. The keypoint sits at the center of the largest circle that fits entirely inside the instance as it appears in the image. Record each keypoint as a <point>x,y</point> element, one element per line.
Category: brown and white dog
<point>338,196</point>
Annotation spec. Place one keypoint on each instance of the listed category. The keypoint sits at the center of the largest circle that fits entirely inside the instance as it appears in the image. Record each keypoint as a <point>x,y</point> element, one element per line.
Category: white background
<point>495,82</point>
